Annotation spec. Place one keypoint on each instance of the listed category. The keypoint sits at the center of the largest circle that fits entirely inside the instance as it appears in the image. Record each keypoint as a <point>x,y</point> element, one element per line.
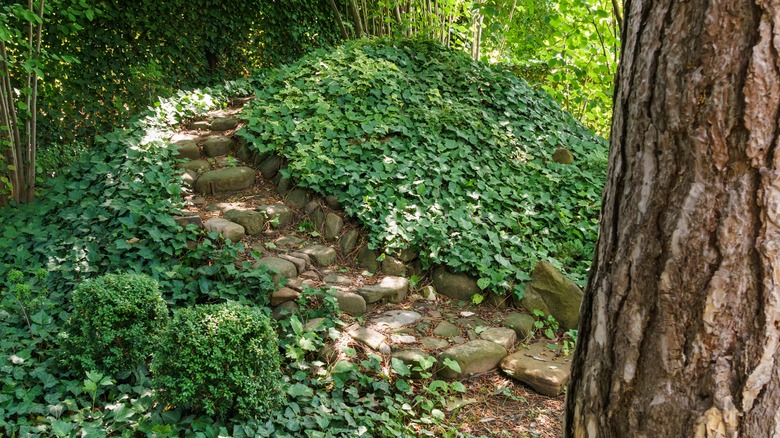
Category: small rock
<point>245,154</point>
<point>333,202</point>
<point>284,310</point>
<point>367,258</point>
<point>395,319</point>
<point>302,256</point>
<point>270,166</point>
<point>521,323</point>
<point>300,264</point>
<point>295,283</point>
<point>348,241</point>
<point>218,145</point>
<point>252,221</point>
<point>283,295</point>
<point>298,197</point>
<point>284,185</point>
<point>223,123</point>
<point>198,200</point>
<point>446,330</point>
<point>279,215</point>
<point>434,343</point>
<point>404,255</point>
<point>393,266</point>
<point>540,368</point>
<point>314,325</point>
<point>317,217</point>
<point>310,275</point>
<point>458,286</point>
<point>394,289</point>
<point>197,166</point>
<point>227,229</point>
<point>474,357</point>
<point>187,149</point>
<point>333,225</point>
<point>183,221</point>
<point>428,293</point>
<point>414,358</point>
<point>504,337</point>
<point>311,206</point>
<point>403,339</point>
<point>188,178</point>
<point>561,296</point>
<point>279,266</point>
<point>322,255</point>
<point>288,241</point>
<point>368,337</point>
<point>562,156</point>
<point>350,303</point>
<point>225,180</point>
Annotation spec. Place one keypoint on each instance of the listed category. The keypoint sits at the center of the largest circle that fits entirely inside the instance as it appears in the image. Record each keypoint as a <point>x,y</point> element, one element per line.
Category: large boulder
<point>459,286</point>
<point>554,294</point>
<point>540,367</point>
<point>228,179</point>
<point>473,357</point>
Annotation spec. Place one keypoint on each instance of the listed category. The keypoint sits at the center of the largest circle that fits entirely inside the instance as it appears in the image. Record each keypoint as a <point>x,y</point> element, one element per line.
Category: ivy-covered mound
<point>438,152</point>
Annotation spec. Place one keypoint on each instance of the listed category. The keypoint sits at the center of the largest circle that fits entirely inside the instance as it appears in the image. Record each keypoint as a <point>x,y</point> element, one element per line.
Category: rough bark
<point>681,318</point>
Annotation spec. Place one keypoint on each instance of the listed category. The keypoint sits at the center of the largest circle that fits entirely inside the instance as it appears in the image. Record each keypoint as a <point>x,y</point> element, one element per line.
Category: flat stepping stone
<point>223,123</point>
<point>393,289</point>
<point>225,228</point>
<point>350,302</point>
<point>434,343</point>
<point>540,368</point>
<point>252,221</point>
<point>338,280</point>
<point>370,338</point>
<point>289,241</point>
<point>446,330</point>
<point>395,319</point>
<point>175,138</point>
<point>186,149</point>
<point>277,214</point>
<point>279,266</point>
<point>403,339</point>
<point>198,166</point>
<point>322,255</point>
<point>333,225</point>
<point>218,145</point>
<point>474,357</point>
<point>225,180</point>
<point>283,295</point>
<point>521,323</point>
<point>502,336</point>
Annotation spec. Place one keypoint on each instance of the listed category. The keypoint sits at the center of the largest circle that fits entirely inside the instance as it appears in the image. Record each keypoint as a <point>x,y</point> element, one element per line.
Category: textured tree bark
<point>681,318</point>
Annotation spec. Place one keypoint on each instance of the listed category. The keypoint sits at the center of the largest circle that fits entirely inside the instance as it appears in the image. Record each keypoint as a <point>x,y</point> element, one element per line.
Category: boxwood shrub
<point>116,321</point>
<point>219,359</point>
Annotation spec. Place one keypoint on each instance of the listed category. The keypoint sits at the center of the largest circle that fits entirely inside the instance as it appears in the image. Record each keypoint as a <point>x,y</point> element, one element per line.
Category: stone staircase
<point>306,239</point>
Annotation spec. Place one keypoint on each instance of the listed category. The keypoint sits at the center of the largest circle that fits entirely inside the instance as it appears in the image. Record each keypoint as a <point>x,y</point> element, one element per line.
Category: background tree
<point>680,322</point>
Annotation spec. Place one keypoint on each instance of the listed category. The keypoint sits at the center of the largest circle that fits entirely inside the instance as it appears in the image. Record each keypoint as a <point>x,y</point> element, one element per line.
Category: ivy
<point>439,153</point>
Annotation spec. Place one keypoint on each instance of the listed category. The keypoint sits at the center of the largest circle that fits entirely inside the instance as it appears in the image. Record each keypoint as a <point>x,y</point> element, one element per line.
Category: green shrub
<point>220,359</point>
<point>116,322</point>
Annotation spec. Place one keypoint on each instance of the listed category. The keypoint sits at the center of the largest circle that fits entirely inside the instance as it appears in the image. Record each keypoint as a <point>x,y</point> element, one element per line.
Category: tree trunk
<point>681,318</point>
